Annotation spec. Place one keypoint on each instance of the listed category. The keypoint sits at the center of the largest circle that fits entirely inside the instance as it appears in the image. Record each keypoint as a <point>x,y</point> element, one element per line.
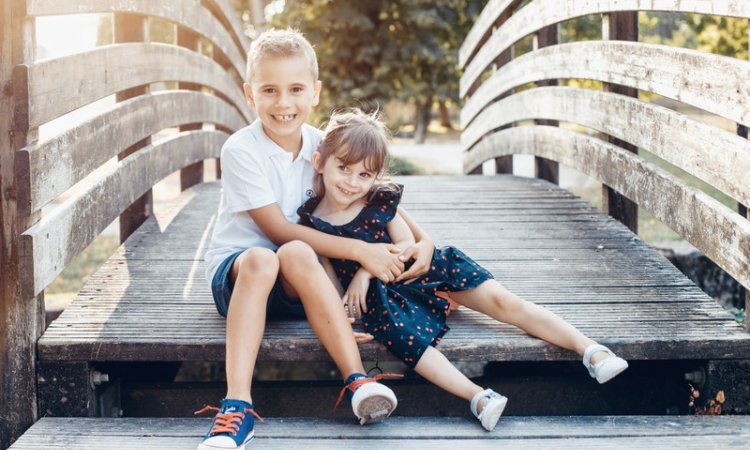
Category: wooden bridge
<point>148,309</point>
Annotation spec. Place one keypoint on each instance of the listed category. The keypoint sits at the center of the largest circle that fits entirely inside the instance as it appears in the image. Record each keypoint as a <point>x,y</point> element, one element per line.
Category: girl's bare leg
<point>436,368</point>
<point>254,273</point>
<point>301,268</point>
<point>493,299</point>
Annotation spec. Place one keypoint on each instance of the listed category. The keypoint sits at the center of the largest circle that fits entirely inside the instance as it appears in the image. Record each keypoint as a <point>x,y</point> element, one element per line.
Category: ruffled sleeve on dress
<point>305,212</point>
<point>381,208</point>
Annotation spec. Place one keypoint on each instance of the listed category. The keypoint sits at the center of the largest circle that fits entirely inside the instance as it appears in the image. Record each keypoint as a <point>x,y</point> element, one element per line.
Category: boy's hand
<point>355,298</point>
<point>422,253</point>
<point>381,260</point>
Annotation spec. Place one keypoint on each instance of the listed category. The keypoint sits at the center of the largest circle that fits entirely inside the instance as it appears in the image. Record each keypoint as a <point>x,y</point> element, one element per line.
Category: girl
<point>353,199</point>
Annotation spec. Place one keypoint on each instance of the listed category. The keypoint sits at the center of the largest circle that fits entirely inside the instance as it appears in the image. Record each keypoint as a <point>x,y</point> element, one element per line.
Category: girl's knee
<point>258,262</point>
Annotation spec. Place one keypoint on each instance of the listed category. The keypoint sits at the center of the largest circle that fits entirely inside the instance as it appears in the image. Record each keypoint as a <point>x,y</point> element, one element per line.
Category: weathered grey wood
<point>227,15</point>
<point>620,26</point>
<point>717,84</point>
<point>716,230</point>
<point>694,432</point>
<point>133,28</point>
<point>75,80</point>
<point>58,163</point>
<point>718,157</point>
<point>489,19</point>
<point>66,231</point>
<point>21,315</point>
<point>541,13</point>
<point>151,302</point>
<point>192,15</point>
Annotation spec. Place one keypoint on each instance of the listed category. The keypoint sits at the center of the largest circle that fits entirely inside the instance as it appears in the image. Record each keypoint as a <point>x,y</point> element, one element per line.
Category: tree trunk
<point>445,115</point>
<point>424,110</point>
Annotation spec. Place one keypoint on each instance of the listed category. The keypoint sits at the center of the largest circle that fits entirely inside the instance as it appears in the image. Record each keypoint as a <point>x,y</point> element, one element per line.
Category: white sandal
<point>605,369</point>
<point>493,408</point>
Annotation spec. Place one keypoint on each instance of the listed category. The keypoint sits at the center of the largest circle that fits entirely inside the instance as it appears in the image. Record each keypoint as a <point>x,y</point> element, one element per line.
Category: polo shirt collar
<point>270,148</point>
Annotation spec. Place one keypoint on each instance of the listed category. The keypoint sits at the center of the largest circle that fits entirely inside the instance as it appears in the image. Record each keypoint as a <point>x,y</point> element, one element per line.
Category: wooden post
<point>742,209</point>
<point>192,174</point>
<point>22,315</point>
<point>621,26</point>
<point>547,169</point>
<point>132,28</point>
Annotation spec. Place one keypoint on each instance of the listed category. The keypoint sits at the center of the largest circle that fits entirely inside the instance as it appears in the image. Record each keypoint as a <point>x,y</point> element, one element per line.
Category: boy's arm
<point>381,260</point>
<point>421,251</point>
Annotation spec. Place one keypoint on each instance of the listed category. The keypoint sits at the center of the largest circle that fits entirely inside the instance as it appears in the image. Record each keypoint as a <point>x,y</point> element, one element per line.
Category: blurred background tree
<point>375,52</point>
<point>371,53</point>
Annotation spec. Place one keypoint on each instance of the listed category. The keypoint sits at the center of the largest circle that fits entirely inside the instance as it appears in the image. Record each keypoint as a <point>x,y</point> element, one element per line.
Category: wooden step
<point>150,301</point>
<point>600,432</point>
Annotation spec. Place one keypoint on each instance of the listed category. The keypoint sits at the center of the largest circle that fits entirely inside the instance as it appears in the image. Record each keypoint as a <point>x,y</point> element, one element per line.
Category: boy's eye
<point>297,89</point>
<point>269,90</point>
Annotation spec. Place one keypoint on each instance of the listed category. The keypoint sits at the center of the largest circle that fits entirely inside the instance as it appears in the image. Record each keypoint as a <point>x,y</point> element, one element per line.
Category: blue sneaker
<point>232,427</point>
<point>371,401</point>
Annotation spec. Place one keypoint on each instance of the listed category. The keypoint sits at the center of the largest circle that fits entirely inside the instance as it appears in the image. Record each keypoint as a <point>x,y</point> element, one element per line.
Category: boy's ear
<point>249,95</point>
<point>316,160</point>
<point>316,95</point>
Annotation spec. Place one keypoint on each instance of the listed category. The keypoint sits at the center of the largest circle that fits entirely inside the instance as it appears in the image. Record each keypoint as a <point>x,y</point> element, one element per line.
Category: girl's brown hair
<point>354,136</point>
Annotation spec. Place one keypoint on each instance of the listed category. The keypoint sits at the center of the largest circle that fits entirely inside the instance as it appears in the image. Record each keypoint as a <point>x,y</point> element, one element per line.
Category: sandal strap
<point>487,393</point>
<point>589,352</point>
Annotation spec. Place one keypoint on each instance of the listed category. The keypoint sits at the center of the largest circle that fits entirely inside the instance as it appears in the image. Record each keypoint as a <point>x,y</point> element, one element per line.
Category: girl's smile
<point>345,184</point>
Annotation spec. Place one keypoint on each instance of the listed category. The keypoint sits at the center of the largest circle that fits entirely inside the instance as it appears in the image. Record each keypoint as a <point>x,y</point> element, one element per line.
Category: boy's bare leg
<point>301,268</point>
<point>254,273</point>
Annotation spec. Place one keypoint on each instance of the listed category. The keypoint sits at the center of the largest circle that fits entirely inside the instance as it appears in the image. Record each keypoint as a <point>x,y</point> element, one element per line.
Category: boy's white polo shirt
<point>256,172</point>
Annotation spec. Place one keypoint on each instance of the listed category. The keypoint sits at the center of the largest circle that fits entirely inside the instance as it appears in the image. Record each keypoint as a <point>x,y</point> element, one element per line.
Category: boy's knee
<point>295,254</point>
<point>258,262</point>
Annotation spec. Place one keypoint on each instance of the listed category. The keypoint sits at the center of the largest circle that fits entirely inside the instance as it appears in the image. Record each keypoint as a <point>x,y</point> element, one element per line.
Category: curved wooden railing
<point>498,122</point>
<point>175,106</point>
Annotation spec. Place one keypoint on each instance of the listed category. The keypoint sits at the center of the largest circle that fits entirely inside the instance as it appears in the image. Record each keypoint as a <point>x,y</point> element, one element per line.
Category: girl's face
<point>345,184</point>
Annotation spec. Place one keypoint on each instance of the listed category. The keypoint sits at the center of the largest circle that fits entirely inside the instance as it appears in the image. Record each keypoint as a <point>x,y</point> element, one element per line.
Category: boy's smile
<point>283,92</point>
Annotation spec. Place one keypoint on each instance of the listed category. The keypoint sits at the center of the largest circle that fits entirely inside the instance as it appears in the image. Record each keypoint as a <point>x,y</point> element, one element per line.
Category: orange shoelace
<point>356,384</point>
<point>227,422</point>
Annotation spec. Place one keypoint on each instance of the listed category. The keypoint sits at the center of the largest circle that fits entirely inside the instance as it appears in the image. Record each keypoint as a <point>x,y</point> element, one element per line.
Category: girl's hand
<point>381,260</point>
<point>422,253</point>
<point>355,298</point>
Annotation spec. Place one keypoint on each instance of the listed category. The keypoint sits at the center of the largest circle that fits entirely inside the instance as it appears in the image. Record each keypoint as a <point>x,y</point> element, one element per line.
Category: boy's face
<point>282,91</point>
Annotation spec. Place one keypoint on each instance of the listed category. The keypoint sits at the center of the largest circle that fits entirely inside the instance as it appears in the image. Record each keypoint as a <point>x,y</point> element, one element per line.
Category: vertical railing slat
<point>22,314</point>
<point>547,169</point>
<point>132,28</point>
<point>621,26</point>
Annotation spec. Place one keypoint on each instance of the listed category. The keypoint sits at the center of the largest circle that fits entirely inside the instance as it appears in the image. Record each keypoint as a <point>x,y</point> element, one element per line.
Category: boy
<point>261,263</point>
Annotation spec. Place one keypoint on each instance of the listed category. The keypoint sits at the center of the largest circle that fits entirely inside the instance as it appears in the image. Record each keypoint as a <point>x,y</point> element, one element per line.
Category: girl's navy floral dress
<point>406,318</point>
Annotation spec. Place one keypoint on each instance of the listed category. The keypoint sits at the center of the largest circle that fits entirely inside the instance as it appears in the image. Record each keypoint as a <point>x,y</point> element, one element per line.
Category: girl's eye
<point>343,168</point>
<point>365,175</point>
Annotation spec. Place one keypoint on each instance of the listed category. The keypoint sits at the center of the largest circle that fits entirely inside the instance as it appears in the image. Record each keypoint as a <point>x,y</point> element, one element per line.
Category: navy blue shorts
<point>279,305</point>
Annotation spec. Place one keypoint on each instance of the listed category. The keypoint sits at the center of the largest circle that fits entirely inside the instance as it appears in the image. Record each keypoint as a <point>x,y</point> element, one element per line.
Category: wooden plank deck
<point>150,301</point>
<point>605,432</point>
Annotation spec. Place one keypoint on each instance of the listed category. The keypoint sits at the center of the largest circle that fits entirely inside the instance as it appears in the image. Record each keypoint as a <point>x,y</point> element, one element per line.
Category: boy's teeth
<point>286,117</point>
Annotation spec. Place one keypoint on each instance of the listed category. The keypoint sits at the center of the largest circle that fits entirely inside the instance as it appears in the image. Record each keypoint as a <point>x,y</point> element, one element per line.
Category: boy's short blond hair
<point>280,43</point>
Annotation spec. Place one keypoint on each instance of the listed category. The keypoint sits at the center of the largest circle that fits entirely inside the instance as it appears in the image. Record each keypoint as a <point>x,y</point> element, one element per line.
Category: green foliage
<point>373,52</point>
<point>401,166</point>
<point>720,35</point>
